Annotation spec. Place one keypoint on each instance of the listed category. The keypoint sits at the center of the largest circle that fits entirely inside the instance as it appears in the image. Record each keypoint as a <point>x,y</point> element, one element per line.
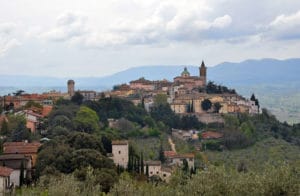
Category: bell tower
<point>71,87</point>
<point>202,70</point>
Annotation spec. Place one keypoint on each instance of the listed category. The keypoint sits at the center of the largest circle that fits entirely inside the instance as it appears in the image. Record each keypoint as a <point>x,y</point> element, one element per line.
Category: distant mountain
<point>247,73</point>
<point>275,82</point>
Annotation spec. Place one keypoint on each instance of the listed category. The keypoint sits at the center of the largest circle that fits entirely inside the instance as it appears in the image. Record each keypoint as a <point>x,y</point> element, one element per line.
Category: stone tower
<point>202,70</point>
<point>120,152</point>
<point>71,87</point>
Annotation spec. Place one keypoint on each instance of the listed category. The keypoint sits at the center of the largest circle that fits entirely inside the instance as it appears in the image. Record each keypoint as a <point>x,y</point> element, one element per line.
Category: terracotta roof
<point>169,153</point>
<point>5,171</point>
<point>13,157</point>
<point>211,135</point>
<point>152,163</point>
<point>119,142</point>
<point>20,147</point>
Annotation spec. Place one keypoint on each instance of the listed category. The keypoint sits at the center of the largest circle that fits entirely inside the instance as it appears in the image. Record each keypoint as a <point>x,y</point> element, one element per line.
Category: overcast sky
<point>71,38</point>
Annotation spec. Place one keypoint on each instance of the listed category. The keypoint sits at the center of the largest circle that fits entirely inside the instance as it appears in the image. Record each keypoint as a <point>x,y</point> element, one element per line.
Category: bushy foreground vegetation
<point>282,180</point>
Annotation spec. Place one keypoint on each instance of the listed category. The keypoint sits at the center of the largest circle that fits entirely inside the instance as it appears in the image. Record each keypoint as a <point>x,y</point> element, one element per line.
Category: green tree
<point>31,103</point>
<point>77,98</point>
<point>86,120</point>
<point>17,123</point>
<point>85,141</point>
<point>4,128</point>
<point>21,178</point>
<point>160,99</point>
<point>162,157</point>
<point>206,104</point>
<point>142,163</point>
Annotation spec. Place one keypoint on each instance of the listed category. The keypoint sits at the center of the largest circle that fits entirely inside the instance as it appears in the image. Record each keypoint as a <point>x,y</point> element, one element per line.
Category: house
<point>142,83</point>
<point>174,159</point>
<point>120,152</point>
<point>89,95</point>
<point>5,183</point>
<point>154,167</point>
<point>23,148</point>
<point>17,162</point>
<point>32,120</point>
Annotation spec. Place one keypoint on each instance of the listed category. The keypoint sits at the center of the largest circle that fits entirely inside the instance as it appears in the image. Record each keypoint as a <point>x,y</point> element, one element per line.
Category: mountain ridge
<point>246,73</point>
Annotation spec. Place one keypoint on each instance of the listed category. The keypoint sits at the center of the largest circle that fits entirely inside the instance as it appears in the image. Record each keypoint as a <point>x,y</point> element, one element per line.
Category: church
<point>192,82</point>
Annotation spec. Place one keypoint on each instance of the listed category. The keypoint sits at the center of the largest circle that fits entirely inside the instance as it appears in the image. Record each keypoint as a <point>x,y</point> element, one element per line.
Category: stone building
<point>192,82</point>
<point>71,87</point>
<point>120,152</point>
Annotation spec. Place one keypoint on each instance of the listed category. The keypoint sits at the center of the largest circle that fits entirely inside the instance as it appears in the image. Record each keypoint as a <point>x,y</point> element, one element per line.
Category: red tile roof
<point>5,171</point>
<point>169,153</point>
<point>20,147</point>
<point>211,135</point>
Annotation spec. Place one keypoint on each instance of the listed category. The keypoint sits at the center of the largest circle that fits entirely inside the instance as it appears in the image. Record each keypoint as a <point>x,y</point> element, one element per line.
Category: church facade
<point>189,82</point>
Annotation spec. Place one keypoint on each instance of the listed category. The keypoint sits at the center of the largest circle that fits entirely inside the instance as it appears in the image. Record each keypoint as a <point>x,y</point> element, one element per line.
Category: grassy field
<point>269,150</point>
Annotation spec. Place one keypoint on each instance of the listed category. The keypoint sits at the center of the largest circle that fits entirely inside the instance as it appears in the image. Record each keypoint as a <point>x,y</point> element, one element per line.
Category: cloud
<point>69,25</point>
<point>7,37</point>
<point>285,26</point>
<point>168,21</point>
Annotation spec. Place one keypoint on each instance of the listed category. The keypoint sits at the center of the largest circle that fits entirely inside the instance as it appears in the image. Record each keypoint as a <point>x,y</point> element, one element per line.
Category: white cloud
<point>7,37</point>
<point>69,25</point>
<point>285,27</point>
<point>168,21</point>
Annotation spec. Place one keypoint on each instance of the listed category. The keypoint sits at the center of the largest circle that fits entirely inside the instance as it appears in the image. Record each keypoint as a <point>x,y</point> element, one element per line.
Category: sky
<point>75,38</point>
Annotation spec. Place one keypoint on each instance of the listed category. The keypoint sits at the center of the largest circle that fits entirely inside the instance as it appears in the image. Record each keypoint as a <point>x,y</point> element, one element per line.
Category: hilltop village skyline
<point>185,94</point>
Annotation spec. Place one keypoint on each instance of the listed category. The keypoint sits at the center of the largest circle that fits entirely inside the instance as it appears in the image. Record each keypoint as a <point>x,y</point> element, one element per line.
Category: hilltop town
<point>149,129</point>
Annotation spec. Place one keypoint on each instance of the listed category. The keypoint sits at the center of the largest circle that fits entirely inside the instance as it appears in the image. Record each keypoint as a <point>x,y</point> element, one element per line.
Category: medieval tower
<point>202,70</point>
<point>71,87</point>
<point>120,152</point>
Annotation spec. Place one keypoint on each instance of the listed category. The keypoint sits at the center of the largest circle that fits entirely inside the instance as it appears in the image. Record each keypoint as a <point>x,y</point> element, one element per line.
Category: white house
<point>5,184</point>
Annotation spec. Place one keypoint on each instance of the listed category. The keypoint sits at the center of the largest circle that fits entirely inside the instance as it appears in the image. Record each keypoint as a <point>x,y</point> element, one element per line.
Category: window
<point>119,151</point>
<point>165,175</point>
<point>151,172</point>
<point>157,172</point>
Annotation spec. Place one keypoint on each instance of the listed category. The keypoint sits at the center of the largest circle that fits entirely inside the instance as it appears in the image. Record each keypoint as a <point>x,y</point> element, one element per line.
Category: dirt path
<point>172,144</point>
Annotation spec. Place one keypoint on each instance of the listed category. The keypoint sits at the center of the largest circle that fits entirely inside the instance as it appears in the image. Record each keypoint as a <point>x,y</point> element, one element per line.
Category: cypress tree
<point>22,174</point>
<point>142,163</point>
<point>147,170</point>
<point>161,154</point>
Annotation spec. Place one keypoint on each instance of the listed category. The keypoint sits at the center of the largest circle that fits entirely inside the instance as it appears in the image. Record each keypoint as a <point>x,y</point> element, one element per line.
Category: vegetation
<point>212,88</point>
<point>75,162</point>
<point>206,104</point>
